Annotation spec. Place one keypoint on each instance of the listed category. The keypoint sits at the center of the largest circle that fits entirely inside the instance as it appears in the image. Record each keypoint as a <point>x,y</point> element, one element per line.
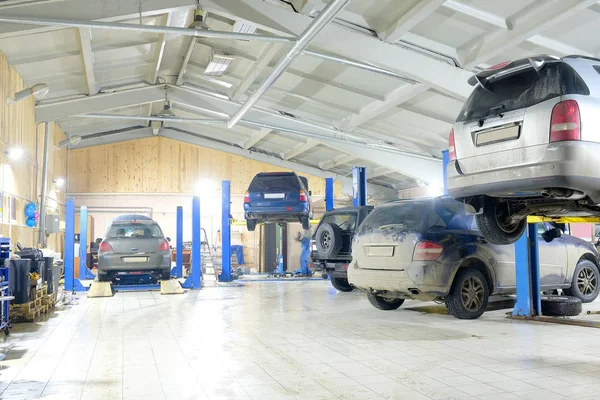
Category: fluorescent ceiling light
<point>218,65</point>
<point>39,90</point>
<point>73,140</point>
<point>244,27</point>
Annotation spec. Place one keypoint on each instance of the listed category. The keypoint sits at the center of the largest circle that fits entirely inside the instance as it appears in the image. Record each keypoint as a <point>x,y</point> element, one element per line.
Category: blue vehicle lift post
<point>225,233</point>
<point>328,194</point>
<point>445,162</point>
<point>178,270</point>
<point>194,280</point>
<point>359,186</point>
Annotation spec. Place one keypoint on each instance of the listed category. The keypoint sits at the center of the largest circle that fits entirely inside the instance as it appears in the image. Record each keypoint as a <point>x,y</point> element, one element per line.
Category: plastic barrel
<point>47,277</point>
<point>19,283</point>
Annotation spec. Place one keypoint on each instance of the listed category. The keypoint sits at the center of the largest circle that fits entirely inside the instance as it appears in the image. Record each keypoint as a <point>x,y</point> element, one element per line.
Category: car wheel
<point>561,306</point>
<point>328,240</point>
<point>104,277</point>
<point>251,224</point>
<point>468,297</point>
<point>305,223</point>
<point>165,275</point>
<point>585,283</point>
<point>341,284</point>
<point>493,223</point>
<point>383,303</point>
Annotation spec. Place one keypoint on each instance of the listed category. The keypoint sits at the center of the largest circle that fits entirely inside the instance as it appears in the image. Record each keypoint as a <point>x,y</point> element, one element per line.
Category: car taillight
<point>105,246</point>
<point>246,198</point>
<point>451,148</point>
<point>427,251</point>
<point>164,245</point>
<point>303,196</point>
<point>565,123</point>
<point>498,66</point>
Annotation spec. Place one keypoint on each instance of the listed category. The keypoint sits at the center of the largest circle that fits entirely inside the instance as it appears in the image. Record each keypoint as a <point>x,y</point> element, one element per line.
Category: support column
<point>328,194</point>
<point>528,274</point>
<point>359,185</point>
<point>226,233</point>
<point>178,271</point>
<point>69,244</point>
<point>195,279</point>
<point>83,218</point>
<point>445,162</point>
<point>42,232</point>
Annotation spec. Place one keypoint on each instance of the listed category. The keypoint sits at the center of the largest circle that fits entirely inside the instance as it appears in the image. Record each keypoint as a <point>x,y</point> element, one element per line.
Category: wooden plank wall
<point>162,165</point>
<point>22,179</point>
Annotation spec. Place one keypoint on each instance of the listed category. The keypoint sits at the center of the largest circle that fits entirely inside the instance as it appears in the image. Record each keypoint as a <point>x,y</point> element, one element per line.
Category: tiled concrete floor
<point>291,340</point>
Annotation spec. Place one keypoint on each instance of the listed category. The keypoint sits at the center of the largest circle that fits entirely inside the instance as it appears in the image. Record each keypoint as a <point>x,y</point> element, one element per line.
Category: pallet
<point>41,304</point>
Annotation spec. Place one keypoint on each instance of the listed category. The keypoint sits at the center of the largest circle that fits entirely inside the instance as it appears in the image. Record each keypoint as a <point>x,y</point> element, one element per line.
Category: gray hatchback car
<point>134,244</point>
<point>527,143</point>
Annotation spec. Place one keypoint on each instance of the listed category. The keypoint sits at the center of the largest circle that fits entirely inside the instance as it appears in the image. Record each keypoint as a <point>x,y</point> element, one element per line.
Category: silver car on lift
<point>134,244</point>
<point>527,142</point>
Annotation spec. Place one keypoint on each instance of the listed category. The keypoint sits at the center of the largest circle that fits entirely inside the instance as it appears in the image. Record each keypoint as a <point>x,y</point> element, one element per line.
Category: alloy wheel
<point>472,294</point>
<point>586,281</point>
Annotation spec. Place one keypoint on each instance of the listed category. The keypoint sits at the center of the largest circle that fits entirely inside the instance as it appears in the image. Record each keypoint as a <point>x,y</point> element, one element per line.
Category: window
<point>522,89</point>
<point>346,222</point>
<point>411,216</point>
<point>134,230</point>
<point>285,182</point>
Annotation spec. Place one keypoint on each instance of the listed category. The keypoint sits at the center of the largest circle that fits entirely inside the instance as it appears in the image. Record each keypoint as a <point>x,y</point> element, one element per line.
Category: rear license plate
<point>135,259</point>
<point>379,251</point>
<point>498,135</point>
<point>274,195</point>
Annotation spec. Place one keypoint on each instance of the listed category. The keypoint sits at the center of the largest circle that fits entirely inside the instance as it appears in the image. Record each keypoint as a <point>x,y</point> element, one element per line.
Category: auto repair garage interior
<point>304,199</point>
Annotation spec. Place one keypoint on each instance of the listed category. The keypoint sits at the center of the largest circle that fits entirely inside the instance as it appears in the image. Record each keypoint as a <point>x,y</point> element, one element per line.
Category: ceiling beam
<point>119,135</point>
<point>160,51</point>
<point>409,20</point>
<point>341,40</point>
<point>256,137</point>
<point>84,10</point>
<point>477,13</point>
<point>398,96</point>
<point>265,56</point>
<point>99,102</point>
<point>534,19</point>
<point>87,58</point>
<point>299,149</point>
<point>419,167</point>
<point>186,60</point>
<point>379,171</point>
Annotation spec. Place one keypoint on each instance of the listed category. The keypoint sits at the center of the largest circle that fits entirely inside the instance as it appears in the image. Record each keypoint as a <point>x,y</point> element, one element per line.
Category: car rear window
<point>449,214</point>
<point>410,216</point>
<point>346,222</point>
<point>134,230</point>
<point>274,182</point>
<point>521,90</point>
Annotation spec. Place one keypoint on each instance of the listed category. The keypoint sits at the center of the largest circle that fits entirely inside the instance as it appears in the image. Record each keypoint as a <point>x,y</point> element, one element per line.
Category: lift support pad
<point>101,289</point>
<point>172,286</point>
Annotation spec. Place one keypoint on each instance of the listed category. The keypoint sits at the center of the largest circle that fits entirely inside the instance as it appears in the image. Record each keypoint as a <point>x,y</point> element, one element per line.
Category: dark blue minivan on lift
<point>277,197</point>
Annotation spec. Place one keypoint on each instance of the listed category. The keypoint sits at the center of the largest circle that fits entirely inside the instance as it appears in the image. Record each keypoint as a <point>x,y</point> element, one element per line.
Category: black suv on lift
<point>332,243</point>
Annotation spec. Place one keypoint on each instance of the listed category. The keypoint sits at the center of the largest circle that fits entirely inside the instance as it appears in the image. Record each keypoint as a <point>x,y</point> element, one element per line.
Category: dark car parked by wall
<point>332,243</point>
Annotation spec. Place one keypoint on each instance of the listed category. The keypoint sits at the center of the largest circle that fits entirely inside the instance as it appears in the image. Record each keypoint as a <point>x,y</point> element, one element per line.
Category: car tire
<point>251,224</point>
<point>469,294</point>
<point>491,225</point>
<point>585,284</point>
<point>382,303</point>
<point>104,277</point>
<point>341,284</point>
<point>305,223</point>
<point>165,275</point>
<point>561,306</point>
<point>328,240</point>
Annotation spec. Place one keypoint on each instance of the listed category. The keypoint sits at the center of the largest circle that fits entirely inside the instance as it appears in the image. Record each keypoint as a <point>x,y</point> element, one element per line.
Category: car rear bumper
<point>335,269</point>
<point>573,165</point>
<point>419,280</point>
<point>115,263</point>
<point>288,213</point>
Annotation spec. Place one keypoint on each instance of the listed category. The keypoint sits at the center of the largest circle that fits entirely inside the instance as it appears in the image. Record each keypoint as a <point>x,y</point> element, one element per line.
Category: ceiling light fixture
<point>244,27</point>
<point>59,182</point>
<point>218,64</point>
<point>39,90</point>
